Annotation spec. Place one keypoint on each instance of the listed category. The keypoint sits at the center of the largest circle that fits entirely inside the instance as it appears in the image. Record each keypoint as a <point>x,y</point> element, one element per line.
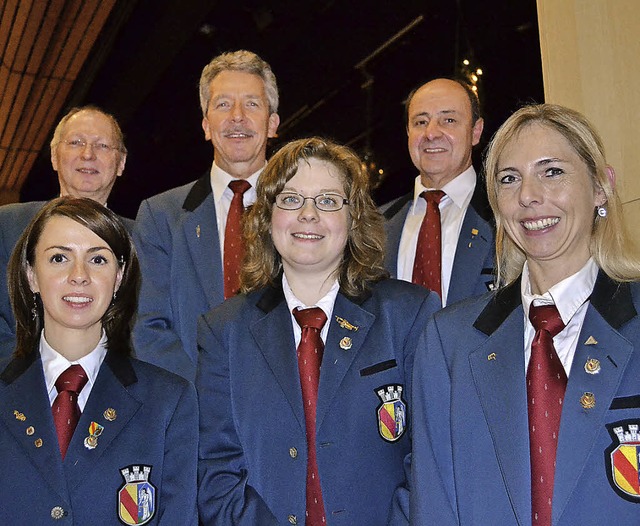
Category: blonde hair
<point>611,246</point>
<point>362,262</point>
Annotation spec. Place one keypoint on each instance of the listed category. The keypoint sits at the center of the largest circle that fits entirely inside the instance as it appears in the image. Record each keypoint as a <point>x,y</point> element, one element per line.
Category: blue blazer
<point>471,439</point>
<point>176,235</point>
<point>472,272</point>
<point>152,423</point>
<point>14,219</point>
<point>253,457</point>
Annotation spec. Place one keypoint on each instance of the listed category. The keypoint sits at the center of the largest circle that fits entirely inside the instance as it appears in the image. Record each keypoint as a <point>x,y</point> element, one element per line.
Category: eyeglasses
<point>100,147</point>
<point>324,202</point>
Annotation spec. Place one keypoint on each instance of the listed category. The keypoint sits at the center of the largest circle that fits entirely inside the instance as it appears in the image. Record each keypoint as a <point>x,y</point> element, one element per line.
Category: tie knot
<point>72,379</point>
<point>546,317</point>
<point>314,317</point>
<point>239,186</point>
<point>433,196</point>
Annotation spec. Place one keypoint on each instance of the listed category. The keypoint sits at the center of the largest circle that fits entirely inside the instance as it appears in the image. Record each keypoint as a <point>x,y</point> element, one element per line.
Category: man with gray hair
<point>88,153</point>
<point>189,238</point>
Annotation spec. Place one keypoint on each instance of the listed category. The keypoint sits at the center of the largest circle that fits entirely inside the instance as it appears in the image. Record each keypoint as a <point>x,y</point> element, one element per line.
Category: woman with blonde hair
<point>303,378</point>
<point>526,400</point>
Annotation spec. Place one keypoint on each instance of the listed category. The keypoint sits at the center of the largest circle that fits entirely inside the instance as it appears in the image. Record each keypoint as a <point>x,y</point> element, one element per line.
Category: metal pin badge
<point>95,430</point>
<point>492,356</point>
<point>588,400</point>
<point>591,341</point>
<point>110,414</point>
<point>592,366</point>
<point>345,324</point>
<point>198,231</point>
<point>30,430</point>
<point>346,343</point>
<point>37,442</point>
<point>19,415</point>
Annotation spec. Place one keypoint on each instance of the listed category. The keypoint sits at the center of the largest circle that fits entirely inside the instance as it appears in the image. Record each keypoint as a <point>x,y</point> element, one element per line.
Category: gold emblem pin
<point>346,343</point>
<point>591,341</point>
<point>198,231</point>
<point>345,324</point>
<point>30,430</point>
<point>588,400</point>
<point>592,366</point>
<point>492,356</point>
<point>110,414</point>
<point>38,442</point>
<point>19,415</point>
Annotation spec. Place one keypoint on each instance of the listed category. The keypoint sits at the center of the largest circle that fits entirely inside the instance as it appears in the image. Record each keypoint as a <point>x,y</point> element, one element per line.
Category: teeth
<point>540,224</point>
<point>434,150</point>
<point>307,236</point>
<point>77,299</point>
<point>238,135</point>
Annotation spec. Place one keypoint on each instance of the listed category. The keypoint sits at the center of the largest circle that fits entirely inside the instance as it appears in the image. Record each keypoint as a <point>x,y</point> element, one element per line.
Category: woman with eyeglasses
<point>303,379</point>
<point>88,434</point>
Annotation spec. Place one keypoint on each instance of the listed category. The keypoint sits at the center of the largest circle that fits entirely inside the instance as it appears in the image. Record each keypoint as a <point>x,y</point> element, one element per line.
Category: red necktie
<point>65,409</point>
<point>546,384</point>
<point>310,352</point>
<point>233,249</point>
<point>427,270</point>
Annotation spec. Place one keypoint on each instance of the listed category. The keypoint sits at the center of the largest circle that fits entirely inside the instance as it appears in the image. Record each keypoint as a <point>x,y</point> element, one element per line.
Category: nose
<point>530,191</point>
<point>237,113</point>
<point>308,212</point>
<point>433,130</point>
<point>87,151</point>
<point>79,274</point>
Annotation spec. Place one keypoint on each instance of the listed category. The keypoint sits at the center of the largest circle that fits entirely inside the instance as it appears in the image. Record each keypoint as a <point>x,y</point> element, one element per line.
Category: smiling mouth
<point>238,135</point>
<point>540,224</point>
<point>77,299</point>
<point>307,236</point>
<point>87,171</point>
<point>434,150</point>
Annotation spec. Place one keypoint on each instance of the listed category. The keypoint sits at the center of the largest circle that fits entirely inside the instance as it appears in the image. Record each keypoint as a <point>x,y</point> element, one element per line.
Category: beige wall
<point>590,52</point>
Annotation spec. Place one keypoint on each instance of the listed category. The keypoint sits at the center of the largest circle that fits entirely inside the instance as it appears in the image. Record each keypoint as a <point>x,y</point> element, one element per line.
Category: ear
<point>205,127</point>
<point>119,276</point>
<point>274,122</point>
<point>54,158</point>
<point>611,174</point>
<point>477,131</point>
<point>121,164</point>
<point>33,280</point>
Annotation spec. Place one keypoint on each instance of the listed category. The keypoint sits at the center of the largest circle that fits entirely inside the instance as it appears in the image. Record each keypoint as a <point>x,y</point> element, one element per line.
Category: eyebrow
<point>69,249</point>
<point>427,114</point>
<point>541,162</point>
<point>321,191</point>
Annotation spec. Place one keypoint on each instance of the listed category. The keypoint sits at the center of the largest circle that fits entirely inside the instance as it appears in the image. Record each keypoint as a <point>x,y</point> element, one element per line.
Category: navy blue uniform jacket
<point>176,235</point>
<point>472,272</point>
<point>149,418</point>
<point>14,219</point>
<point>253,458</point>
<point>471,438</point>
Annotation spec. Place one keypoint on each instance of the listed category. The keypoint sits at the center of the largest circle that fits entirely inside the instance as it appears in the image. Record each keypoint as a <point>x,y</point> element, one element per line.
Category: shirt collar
<point>325,303</point>
<point>459,190</point>
<point>54,364</point>
<point>220,179</point>
<point>567,295</point>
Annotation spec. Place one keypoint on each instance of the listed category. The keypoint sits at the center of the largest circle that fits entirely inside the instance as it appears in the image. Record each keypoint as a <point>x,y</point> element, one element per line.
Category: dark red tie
<point>310,352</point>
<point>233,249</point>
<point>65,409</point>
<point>427,267</point>
<point>546,384</point>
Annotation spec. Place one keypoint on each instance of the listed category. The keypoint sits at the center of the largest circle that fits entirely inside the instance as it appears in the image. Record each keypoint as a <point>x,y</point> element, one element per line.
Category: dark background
<point>146,65</point>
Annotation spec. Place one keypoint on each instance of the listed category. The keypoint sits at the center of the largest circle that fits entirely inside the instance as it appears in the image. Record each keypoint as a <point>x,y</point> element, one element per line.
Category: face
<point>308,240</point>
<point>546,199</point>
<point>76,274</point>
<point>87,171</point>
<point>238,122</point>
<point>441,135</point>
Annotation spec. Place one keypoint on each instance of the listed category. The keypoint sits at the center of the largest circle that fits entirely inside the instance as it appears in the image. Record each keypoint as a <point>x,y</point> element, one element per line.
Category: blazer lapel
<point>348,330</point>
<point>395,217</point>
<point>26,412</point>
<point>111,406</point>
<point>497,367</point>
<point>273,334</point>
<point>200,229</point>
<point>611,307</point>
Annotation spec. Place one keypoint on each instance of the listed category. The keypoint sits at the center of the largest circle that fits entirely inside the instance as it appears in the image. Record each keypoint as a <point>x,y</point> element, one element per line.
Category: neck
<point>544,275</point>
<point>310,288</point>
<point>73,344</point>
<point>241,170</point>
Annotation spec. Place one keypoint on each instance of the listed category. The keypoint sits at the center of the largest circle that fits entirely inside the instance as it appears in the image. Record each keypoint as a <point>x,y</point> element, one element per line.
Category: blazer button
<point>293,452</point>
<point>57,512</point>
<point>293,519</point>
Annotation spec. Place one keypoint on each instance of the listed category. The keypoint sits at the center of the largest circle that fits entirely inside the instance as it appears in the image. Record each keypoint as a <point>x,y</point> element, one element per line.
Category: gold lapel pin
<point>592,366</point>
<point>591,341</point>
<point>30,430</point>
<point>345,324</point>
<point>346,343</point>
<point>198,231</point>
<point>492,356</point>
<point>588,400</point>
<point>110,414</point>
<point>19,415</point>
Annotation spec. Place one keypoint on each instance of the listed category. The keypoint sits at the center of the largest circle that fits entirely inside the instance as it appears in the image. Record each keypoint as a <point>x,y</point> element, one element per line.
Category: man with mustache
<point>188,238</point>
<point>88,153</point>
<point>443,125</point>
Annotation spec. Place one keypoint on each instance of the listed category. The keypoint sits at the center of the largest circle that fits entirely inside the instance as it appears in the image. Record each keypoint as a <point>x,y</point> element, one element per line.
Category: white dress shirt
<point>222,196</point>
<point>571,298</point>
<point>54,364</point>
<point>326,303</point>
<point>453,208</point>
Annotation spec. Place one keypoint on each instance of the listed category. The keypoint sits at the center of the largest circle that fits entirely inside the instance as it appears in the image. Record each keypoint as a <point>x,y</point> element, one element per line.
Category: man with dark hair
<point>441,235</point>
<point>88,153</point>
<point>188,238</point>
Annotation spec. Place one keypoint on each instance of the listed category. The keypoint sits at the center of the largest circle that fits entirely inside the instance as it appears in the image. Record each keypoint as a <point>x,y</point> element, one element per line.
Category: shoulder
<point>392,208</point>
<point>237,309</point>
<point>21,211</point>
<point>154,380</point>
<point>400,298</point>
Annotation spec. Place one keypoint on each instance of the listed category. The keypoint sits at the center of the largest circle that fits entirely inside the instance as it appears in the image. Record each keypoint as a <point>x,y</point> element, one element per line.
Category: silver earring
<point>115,292</point>
<point>34,309</point>
<point>602,211</point>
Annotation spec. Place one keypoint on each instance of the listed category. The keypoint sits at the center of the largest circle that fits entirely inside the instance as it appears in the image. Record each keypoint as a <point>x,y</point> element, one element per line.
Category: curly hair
<point>118,319</point>
<point>362,262</point>
<point>611,246</point>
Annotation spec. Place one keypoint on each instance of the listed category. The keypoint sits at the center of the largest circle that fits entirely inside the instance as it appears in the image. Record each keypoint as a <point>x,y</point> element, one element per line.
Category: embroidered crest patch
<point>392,412</point>
<point>137,497</point>
<point>623,459</point>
